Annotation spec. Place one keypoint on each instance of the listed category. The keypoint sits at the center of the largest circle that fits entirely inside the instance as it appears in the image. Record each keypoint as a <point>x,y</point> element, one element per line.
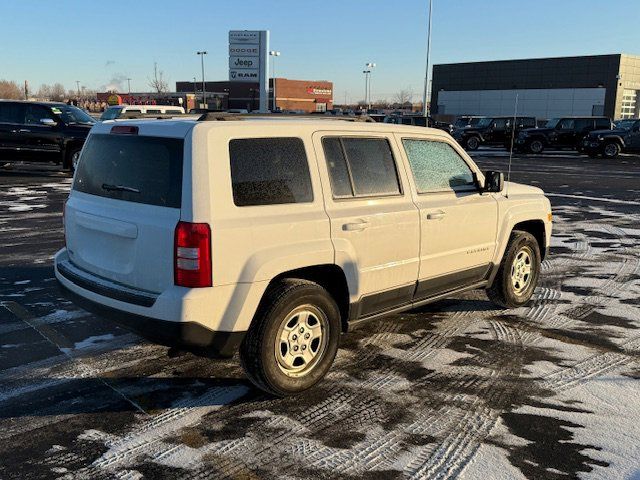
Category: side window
<point>11,112</point>
<point>603,124</point>
<point>566,124</point>
<point>500,123</point>
<point>269,171</point>
<point>361,167</point>
<point>584,124</point>
<point>420,121</point>
<point>35,113</point>
<point>436,166</point>
<point>527,122</point>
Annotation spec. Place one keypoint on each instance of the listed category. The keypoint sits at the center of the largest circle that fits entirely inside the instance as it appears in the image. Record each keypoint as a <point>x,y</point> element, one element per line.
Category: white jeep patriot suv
<point>273,236</point>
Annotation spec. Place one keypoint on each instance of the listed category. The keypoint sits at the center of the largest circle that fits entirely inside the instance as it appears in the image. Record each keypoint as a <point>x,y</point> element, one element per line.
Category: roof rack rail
<point>225,116</point>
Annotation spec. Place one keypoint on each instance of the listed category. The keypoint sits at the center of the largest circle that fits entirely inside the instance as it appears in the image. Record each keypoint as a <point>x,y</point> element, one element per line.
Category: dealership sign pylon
<point>249,60</point>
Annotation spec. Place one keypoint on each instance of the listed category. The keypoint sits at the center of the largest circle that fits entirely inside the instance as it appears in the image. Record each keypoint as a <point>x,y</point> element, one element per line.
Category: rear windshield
<point>132,168</point>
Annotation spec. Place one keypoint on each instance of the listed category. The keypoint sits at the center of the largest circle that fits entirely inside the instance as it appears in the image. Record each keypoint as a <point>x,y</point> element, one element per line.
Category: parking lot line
<point>597,199</point>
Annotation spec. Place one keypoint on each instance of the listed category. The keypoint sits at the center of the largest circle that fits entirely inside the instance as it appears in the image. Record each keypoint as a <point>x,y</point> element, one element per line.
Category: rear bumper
<point>189,336</point>
<point>188,319</point>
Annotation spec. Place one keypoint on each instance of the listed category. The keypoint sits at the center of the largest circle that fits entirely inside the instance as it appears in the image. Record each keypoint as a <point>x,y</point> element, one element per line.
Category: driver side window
<point>436,166</point>
<point>566,124</point>
<point>35,113</point>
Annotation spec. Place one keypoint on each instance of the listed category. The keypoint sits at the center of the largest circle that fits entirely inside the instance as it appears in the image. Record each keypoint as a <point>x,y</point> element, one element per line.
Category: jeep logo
<point>243,63</point>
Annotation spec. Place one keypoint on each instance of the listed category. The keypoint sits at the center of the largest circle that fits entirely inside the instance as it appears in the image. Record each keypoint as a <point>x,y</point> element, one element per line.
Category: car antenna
<point>513,134</point>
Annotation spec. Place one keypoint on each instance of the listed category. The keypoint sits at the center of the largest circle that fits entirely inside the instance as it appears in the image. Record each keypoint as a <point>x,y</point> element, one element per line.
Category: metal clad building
<point>546,87</point>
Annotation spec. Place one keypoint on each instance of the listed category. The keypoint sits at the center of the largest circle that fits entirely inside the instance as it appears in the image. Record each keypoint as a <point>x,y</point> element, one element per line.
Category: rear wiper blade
<point>119,188</point>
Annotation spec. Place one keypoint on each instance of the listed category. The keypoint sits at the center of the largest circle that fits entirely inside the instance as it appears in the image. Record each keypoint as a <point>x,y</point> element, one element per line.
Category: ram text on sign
<point>244,75</point>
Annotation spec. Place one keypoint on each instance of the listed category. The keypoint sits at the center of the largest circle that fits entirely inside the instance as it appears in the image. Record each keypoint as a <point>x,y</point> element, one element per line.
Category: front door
<point>458,223</point>
<point>11,119</point>
<point>40,138</point>
<point>374,222</point>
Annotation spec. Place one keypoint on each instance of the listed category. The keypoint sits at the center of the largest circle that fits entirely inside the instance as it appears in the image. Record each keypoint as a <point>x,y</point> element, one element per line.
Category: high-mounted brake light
<point>124,130</point>
<point>192,255</point>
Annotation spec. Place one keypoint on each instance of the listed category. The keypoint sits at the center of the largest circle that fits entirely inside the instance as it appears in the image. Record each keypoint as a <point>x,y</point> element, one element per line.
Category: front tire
<point>518,273</point>
<point>71,160</point>
<point>293,339</point>
<point>536,146</point>
<point>611,150</point>
<point>472,143</point>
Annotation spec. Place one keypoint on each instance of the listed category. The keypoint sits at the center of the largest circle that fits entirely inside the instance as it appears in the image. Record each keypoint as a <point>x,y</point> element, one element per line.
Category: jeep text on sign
<point>243,63</point>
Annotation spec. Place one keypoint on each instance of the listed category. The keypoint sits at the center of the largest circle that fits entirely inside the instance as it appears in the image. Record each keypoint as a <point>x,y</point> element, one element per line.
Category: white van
<point>119,111</point>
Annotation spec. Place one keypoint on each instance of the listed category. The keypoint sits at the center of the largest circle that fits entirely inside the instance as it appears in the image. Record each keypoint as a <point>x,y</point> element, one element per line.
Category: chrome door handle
<point>24,130</point>
<point>439,215</point>
<point>352,227</point>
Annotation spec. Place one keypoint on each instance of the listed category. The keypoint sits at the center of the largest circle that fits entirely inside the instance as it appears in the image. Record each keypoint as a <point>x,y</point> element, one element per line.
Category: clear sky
<point>102,43</point>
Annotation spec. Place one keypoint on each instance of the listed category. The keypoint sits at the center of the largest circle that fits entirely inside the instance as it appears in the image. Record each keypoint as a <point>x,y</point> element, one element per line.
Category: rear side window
<point>269,171</point>
<point>132,168</point>
<point>12,112</point>
<point>603,123</point>
<point>583,124</point>
<point>360,167</point>
<point>436,166</point>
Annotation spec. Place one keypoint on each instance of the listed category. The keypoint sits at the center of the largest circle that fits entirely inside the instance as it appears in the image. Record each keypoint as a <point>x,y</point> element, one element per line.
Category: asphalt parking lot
<point>457,389</point>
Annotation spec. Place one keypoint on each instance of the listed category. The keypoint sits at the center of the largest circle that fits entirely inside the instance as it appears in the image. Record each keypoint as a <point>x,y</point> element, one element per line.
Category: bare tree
<point>10,90</point>
<point>157,83</point>
<point>403,96</point>
<point>57,92</point>
<point>44,92</point>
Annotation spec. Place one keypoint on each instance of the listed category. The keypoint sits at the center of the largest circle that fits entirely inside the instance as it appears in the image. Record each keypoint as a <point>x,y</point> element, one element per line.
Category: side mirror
<point>493,181</point>
<point>49,122</point>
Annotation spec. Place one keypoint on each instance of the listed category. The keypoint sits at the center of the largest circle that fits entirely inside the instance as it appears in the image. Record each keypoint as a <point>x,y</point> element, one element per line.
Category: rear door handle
<point>439,215</point>
<point>24,130</point>
<point>352,227</point>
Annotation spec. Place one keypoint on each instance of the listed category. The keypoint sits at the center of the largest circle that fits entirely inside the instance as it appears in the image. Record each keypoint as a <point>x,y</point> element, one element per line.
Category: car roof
<point>43,103</point>
<point>180,127</point>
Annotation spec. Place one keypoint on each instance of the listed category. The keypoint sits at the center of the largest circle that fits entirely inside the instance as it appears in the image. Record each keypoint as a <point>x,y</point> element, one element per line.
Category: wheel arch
<point>537,229</point>
<point>329,276</point>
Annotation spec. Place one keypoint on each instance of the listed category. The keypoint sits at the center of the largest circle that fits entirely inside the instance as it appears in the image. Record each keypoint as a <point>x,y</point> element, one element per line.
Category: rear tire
<point>518,273</point>
<point>293,338</point>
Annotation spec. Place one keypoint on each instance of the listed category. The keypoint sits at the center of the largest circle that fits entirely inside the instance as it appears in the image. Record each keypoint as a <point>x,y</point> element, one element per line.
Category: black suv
<point>491,131</point>
<point>418,121</point>
<point>43,132</point>
<point>625,137</point>
<point>566,132</point>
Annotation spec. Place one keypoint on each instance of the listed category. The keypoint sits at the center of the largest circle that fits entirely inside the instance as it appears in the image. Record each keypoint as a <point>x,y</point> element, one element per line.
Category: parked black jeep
<point>492,131</point>
<point>43,132</point>
<point>625,137</point>
<point>418,121</point>
<point>559,133</point>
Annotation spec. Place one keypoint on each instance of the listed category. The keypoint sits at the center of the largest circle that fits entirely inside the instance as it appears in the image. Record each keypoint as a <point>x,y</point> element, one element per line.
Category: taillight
<point>192,255</point>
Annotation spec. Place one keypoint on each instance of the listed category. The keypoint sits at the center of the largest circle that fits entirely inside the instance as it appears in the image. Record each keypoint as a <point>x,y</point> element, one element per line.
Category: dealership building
<point>545,87</point>
<point>304,95</point>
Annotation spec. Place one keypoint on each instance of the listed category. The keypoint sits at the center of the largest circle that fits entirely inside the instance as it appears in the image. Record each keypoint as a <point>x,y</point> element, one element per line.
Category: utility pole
<point>204,88</point>
<point>78,86</point>
<point>425,110</point>
<point>129,83</point>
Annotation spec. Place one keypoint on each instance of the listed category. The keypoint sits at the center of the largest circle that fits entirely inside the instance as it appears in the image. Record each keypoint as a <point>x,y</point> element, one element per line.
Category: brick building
<point>306,95</point>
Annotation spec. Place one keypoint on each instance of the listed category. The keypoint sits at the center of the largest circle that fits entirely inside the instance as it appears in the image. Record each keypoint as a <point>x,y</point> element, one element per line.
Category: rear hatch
<point>124,206</point>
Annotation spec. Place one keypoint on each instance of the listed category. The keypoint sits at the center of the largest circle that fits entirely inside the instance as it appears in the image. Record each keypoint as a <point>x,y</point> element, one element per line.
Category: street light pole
<point>274,54</point>
<point>129,84</point>
<point>204,88</point>
<point>366,86</point>
<point>370,66</point>
<point>425,111</point>
<point>78,87</point>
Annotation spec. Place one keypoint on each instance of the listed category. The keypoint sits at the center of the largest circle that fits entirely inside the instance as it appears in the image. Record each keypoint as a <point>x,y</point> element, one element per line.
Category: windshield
<point>552,123</point>
<point>111,113</point>
<point>71,115</point>
<point>625,124</point>
<point>485,122</point>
